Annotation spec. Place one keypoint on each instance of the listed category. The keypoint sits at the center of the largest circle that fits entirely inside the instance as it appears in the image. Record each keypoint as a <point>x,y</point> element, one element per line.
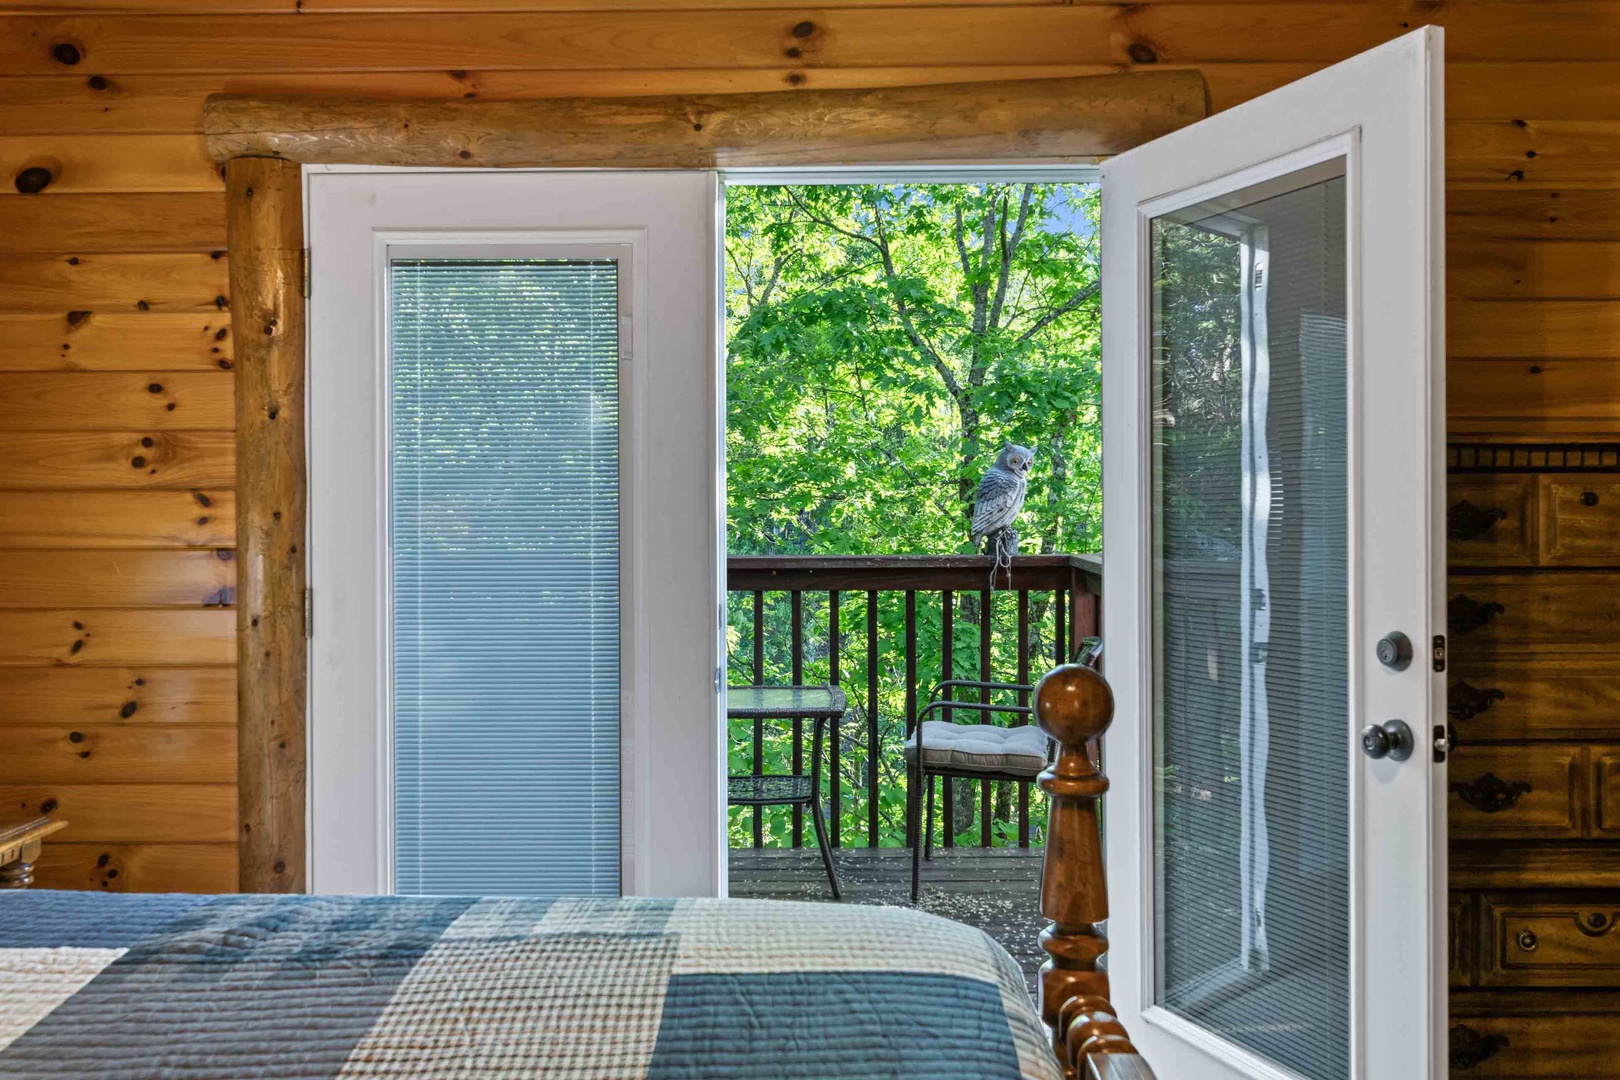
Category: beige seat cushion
<point>980,747</point>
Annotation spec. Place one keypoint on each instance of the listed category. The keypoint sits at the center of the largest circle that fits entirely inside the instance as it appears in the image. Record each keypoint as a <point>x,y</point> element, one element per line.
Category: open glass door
<point>1273,435</point>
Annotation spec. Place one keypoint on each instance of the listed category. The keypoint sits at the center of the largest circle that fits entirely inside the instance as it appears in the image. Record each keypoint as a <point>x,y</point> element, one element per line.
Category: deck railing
<point>887,628</point>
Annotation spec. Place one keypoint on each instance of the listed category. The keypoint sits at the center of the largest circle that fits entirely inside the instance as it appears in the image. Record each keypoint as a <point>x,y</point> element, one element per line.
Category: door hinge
<point>306,274</point>
<point>1439,652</point>
<point>309,612</point>
<point>719,679</point>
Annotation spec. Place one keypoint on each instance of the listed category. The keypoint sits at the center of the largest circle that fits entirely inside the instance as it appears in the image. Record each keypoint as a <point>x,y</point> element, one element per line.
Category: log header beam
<point>1033,120</point>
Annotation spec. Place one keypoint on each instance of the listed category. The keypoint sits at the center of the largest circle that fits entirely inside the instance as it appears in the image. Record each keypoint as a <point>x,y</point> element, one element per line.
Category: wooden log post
<point>265,232</point>
<point>1074,705</point>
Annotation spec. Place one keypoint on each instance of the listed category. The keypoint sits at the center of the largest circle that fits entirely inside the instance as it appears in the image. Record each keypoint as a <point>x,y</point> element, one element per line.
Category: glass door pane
<point>1251,615</point>
<point>504,535</point>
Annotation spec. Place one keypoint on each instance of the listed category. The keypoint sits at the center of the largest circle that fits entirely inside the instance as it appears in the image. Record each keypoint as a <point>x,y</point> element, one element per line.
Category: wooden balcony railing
<point>859,621</point>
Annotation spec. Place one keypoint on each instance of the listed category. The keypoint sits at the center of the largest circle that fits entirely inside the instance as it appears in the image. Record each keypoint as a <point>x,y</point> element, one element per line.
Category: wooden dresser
<point>1534,704</point>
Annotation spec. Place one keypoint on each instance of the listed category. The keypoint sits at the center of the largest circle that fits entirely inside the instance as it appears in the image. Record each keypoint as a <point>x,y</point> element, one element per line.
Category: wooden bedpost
<point>265,230</point>
<point>1074,705</point>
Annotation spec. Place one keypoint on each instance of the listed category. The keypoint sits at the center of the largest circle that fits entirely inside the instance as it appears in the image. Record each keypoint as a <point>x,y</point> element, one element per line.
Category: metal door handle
<point>1391,739</point>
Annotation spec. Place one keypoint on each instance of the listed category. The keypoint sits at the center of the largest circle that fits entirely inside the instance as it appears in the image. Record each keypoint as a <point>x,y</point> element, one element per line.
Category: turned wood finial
<point>1074,705</point>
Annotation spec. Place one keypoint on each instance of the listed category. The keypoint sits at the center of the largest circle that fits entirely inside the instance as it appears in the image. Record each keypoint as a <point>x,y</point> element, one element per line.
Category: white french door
<point>515,533</point>
<point>1274,423</point>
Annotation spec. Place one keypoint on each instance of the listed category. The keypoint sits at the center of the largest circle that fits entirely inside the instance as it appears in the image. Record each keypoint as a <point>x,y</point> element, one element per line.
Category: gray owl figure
<point>996,506</point>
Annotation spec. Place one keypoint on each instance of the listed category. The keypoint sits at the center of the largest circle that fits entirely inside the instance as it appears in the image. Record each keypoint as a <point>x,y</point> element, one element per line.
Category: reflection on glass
<point>504,518</point>
<point>1250,620</point>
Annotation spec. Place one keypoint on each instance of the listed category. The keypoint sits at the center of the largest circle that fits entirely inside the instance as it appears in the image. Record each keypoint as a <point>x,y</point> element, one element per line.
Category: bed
<point>95,985</point>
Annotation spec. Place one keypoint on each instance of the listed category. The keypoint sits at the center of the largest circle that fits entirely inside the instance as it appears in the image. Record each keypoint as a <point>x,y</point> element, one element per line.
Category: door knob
<point>1391,739</point>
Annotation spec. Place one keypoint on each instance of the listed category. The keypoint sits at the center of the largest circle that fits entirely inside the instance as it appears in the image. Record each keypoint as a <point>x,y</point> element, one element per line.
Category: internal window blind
<point>1251,601</point>
<point>504,521</point>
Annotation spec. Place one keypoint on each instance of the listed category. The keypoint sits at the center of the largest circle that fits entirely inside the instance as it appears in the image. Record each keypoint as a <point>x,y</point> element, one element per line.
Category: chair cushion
<point>980,747</point>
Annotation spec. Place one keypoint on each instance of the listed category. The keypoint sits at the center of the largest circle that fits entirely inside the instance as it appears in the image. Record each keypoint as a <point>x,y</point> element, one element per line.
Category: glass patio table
<point>822,705</point>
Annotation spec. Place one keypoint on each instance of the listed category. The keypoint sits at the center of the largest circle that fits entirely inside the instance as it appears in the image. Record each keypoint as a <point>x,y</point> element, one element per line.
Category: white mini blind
<point>504,525</point>
<point>1251,660</point>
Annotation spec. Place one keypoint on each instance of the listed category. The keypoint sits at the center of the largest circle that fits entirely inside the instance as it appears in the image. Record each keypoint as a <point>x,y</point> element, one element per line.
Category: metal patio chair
<point>981,751</point>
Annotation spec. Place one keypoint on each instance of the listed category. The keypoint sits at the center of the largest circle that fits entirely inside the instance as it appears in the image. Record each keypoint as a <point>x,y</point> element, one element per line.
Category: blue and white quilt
<point>97,986</point>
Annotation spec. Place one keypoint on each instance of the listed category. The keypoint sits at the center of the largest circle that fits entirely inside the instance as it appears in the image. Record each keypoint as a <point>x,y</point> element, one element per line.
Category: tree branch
<point>1009,247</point>
<point>1058,312</point>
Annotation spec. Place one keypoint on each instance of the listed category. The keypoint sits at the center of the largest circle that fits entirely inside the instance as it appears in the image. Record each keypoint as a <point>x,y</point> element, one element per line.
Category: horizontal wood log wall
<point>115,620</point>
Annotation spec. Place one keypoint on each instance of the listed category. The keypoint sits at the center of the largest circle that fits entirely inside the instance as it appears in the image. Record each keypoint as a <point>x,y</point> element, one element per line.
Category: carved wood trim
<point>1490,794</point>
<point>1069,119</point>
<point>1471,1047</point>
<point>1532,457</point>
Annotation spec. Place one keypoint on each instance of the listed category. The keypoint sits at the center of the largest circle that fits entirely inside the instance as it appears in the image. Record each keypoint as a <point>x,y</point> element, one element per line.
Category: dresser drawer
<point>1534,1034</point>
<point>1534,790</point>
<point>1533,939</point>
<point>1515,693</point>
<point>1488,611</point>
<point>1580,519</point>
<point>1491,520</point>
<point>1605,790</point>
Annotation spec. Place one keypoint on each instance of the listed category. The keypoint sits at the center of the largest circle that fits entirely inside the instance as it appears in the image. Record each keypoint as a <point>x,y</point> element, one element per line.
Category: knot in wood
<point>66,53</point>
<point>33,180</point>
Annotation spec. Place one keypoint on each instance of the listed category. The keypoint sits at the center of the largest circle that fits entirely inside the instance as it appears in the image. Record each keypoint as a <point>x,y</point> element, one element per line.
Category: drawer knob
<point>1465,614</point>
<point>1589,498</point>
<point>1490,794</point>
<point>1527,940</point>
<point>1464,702</point>
<point>1465,521</point>
<point>1596,924</point>
<point>1470,1046</point>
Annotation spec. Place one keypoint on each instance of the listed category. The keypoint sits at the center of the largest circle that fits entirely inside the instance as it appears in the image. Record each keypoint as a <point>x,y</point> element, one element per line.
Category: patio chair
<point>980,751</point>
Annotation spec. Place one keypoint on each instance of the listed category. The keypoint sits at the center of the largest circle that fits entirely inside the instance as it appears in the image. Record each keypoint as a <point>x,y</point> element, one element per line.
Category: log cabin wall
<point>117,697</point>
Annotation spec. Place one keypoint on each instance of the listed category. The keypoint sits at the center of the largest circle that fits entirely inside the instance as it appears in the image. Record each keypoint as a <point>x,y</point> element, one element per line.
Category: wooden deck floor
<point>997,890</point>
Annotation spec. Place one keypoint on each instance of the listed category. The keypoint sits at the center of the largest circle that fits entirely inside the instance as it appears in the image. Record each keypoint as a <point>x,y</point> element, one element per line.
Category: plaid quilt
<point>315,987</point>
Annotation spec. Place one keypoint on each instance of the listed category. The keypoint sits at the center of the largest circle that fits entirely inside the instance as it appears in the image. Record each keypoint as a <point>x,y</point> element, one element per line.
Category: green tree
<point>883,341</point>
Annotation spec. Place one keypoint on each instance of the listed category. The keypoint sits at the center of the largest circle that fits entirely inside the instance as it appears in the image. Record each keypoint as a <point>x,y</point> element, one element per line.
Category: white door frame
<point>671,495</point>
<point>1382,111</point>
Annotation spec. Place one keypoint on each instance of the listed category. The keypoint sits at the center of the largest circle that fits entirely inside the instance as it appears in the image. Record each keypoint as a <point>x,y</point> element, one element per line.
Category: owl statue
<point>996,506</point>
